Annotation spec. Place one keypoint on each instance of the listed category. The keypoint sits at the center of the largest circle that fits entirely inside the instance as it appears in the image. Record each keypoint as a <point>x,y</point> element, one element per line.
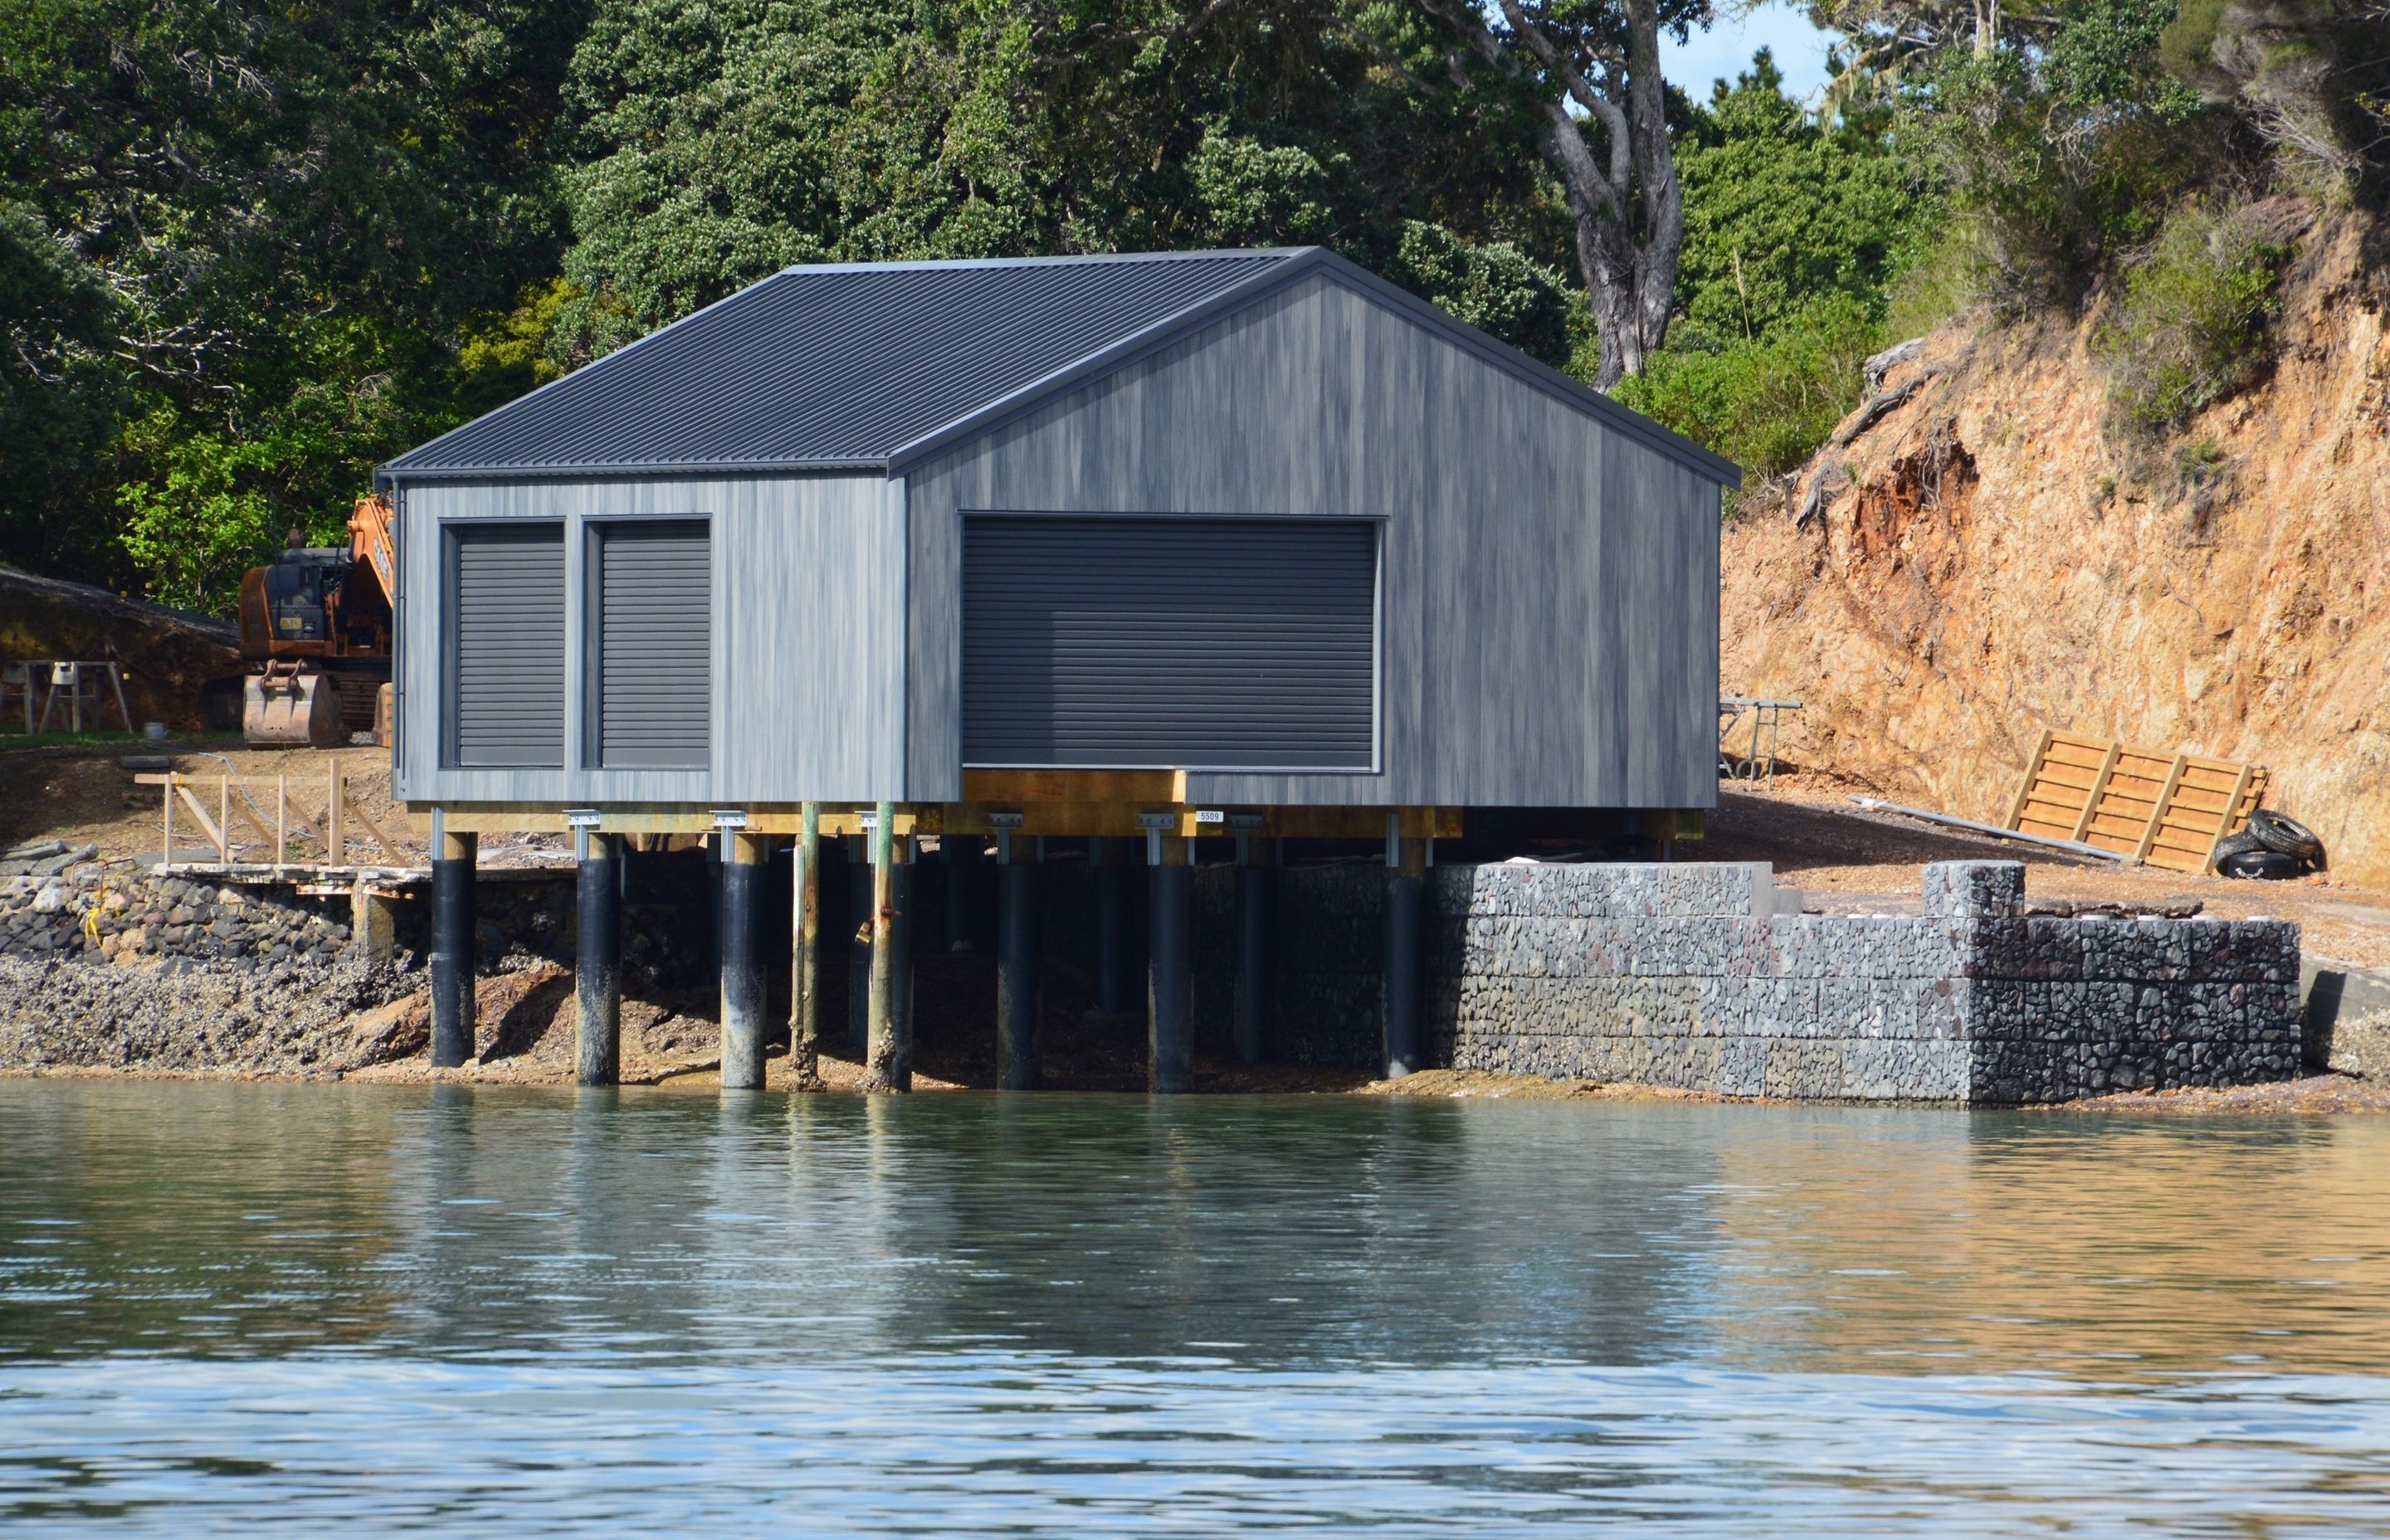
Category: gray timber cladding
<point>1549,629</point>
<point>805,569</point>
<point>653,689</point>
<point>1173,643</point>
<point>506,657</point>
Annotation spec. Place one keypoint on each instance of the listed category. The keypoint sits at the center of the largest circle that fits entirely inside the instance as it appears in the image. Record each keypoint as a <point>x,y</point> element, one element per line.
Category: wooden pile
<point>2164,810</point>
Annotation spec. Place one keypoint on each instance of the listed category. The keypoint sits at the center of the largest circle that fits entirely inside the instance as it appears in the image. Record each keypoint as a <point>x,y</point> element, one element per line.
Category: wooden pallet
<point>2164,810</point>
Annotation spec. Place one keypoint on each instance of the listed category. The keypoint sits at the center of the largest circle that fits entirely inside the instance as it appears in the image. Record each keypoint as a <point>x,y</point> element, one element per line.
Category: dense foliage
<point>2099,155</point>
<point>2190,327</point>
<point>1795,230</point>
<point>246,252</point>
<point>237,241</point>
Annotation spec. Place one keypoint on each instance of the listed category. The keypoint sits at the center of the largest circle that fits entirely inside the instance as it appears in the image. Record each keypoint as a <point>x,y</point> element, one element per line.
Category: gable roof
<point>871,367</point>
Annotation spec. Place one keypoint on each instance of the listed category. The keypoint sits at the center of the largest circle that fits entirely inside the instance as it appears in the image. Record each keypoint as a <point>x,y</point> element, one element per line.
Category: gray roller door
<point>1190,642</point>
<point>651,681</point>
<point>506,661</point>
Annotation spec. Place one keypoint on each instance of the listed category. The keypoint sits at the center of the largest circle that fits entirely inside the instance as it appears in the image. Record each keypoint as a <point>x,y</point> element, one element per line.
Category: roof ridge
<point>960,264</point>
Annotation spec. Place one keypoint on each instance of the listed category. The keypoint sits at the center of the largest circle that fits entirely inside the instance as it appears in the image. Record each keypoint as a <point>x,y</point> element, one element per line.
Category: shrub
<point>2054,187</point>
<point>1945,280</point>
<point>2193,325</point>
<point>1766,405</point>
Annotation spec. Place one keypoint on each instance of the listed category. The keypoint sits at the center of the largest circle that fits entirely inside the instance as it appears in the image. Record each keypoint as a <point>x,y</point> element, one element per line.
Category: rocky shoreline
<point>294,1016</point>
<point>57,902</point>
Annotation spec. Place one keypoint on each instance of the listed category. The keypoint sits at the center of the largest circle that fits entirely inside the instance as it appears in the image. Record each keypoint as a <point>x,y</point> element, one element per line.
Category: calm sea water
<point>233,1308</point>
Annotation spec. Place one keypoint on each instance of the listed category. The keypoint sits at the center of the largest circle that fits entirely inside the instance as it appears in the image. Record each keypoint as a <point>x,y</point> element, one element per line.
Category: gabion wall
<point>1688,976</point>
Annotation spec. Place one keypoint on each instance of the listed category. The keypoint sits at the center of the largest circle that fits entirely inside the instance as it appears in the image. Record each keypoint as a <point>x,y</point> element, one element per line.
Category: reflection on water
<point>389,1308</point>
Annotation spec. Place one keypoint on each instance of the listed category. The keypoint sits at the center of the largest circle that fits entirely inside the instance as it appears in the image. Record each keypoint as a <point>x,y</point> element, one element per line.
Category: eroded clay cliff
<point>1989,556</point>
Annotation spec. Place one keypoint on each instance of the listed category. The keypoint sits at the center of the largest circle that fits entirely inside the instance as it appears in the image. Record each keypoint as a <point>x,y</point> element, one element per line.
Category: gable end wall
<point>1550,632</point>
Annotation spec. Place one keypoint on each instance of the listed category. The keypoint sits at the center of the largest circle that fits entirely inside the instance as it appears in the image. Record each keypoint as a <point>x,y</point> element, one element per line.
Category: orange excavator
<point>316,630</point>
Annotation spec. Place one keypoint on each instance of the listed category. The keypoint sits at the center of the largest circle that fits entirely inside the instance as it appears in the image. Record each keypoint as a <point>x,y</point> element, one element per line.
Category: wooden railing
<point>236,796</point>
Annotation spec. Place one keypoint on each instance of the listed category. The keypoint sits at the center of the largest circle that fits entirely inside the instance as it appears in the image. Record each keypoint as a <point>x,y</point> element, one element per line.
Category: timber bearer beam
<point>742,976</point>
<point>1110,819</point>
<point>542,818</point>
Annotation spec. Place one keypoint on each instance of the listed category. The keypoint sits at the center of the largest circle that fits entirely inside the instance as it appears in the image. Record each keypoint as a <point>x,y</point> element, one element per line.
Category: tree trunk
<point>1630,213</point>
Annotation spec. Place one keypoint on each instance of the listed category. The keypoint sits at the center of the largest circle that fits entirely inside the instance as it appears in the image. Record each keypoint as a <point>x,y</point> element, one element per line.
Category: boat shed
<point>1155,545</point>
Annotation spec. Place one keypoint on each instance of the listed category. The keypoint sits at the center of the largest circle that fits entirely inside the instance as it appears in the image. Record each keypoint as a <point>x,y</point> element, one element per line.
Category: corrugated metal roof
<point>877,366</point>
<point>836,365</point>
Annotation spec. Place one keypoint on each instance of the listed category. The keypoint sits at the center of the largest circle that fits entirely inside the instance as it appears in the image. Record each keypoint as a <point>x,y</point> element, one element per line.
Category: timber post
<point>1405,894</point>
<point>883,1060</point>
<point>861,905</point>
<point>1016,975</point>
<point>597,962</point>
<point>804,981</point>
<point>742,978</point>
<point>903,878</point>
<point>1256,906</point>
<point>452,945</point>
<point>1169,1032</point>
<point>1114,965</point>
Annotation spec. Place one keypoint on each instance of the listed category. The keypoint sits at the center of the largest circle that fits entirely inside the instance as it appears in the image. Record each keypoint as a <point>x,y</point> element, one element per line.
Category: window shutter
<point>1220,644</point>
<point>653,674</point>
<point>506,664</point>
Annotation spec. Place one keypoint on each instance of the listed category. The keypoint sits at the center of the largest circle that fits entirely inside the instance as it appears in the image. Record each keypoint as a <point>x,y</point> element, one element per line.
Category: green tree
<point>290,213</point>
<point>713,144</point>
<point>1780,210</point>
<point>62,395</point>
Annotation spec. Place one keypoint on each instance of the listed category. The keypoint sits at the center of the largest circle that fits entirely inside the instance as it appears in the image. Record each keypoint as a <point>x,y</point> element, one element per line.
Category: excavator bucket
<point>293,709</point>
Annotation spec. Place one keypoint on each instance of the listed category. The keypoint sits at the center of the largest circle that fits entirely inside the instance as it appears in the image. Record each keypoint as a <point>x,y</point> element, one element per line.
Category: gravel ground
<point>1850,858</point>
<point>2313,1094</point>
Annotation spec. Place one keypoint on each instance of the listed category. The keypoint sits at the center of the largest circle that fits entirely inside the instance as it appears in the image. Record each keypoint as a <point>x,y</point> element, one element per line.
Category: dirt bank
<point>180,669</point>
<point>83,794</point>
<point>2313,1094</point>
<point>1991,558</point>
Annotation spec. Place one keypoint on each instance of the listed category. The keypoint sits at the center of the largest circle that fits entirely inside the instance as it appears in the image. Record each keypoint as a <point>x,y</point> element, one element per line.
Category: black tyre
<point>2270,866</point>
<point>2236,844</point>
<point>2286,835</point>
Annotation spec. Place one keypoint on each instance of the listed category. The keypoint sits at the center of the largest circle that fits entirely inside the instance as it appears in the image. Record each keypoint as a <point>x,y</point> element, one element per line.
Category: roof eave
<point>648,470</point>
